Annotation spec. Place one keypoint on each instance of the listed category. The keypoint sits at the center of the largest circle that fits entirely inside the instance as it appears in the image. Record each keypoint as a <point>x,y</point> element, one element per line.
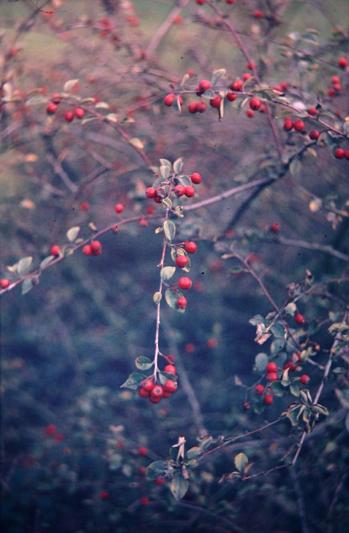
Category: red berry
<point>56,98</point>
<point>169,99</point>
<point>205,85</point>
<point>290,366</point>
<point>299,318</point>
<point>196,178</point>
<point>299,125</point>
<point>216,101</point>
<point>55,250</point>
<point>339,153</point>
<point>182,261</point>
<point>170,386</point>
<point>212,343</point>
<point>275,228</point>
<point>143,393</point>
<point>185,283</point>
<point>104,495</point>
<point>249,113</point>
<point>144,500</point>
<point>84,206</point>
<point>231,96</point>
<point>258,14</point>
<point>268,399</point>
<point>142,451</point>
<point>237,85</point>
<point>246,76</point>
<point>255,103</point>
<point>312,111</point>
<point>4,283</point>
<point>304,379</point>
<point>271,367</point>
<point>272,376</point>
<point>288,124</point>
<point>190,247</point>
<point>343,62</point>
<point>259,389</point>
<point>142,470</point>
<point>314,135</point>
<point>50,430</point>
<point>69,116</point>
<point>150,192</point>
<point>51,108</point>
<point>200,2</point>
<point>182,302</point>
<point>156,393</point>
<point>201,107</point>
<point>193,107</point>
<point>179,190</point>
<point>336,80</point>
<point>118,208</point>
<point>148,385</point>
<point>170,369</point>
<point>159,481</point>
<point>251,65</point>
<point>189,191</point>
<point>87,249</point>
<point>79,112</point>
<point>96,248</point>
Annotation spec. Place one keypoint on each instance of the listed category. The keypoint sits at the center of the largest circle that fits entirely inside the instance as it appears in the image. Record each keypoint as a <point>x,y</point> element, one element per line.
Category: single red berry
<point>55,250</point>
<point>271,367</point>
<point>312,111</point>
<point>104,495</point>
<point>144,500</point>
<point>196,178</point>
<point>237,85</point>
<point>179,190</point>
<point>314,135</point>
<point>275,227</point>
<point>96,248</point>
<point>259,389</point>
<point>289,365</point>
<point>87,249</point>
<point>59,437</point>
<point>189,191</point>
<point>118,208</point>
<point>258,14</point>
<point>143,451</point>
<point>342,62</point>
<point>247,76</point>
<point>150,210</point>
<point>193,107</point>
<point>212,342</point>
<point>331,92</point>
<point>170,386</point>
<point>142,470</point>
<point>201,107</point>
<point>268,399</point>
<point>336,80</point>
<point>182,302</point>
<point>69,116</point>
<point>159,481</point>
<point>251,65</point>
<point>51,108</point>
<point>4,283</point>
<point>156,393</point>
<point>143,393</point>
<point>216,101</point>
<point>148,385</point>
<point>169,99</point>
<point>299,125</point>
<point>272,376</point>
<point>56,98</point>
<point>304,379</point>
<point>84,206</point>
<point>185,283</point>
<point>50,430</point>
<point>249,113</point>
<point>231,96</point>
<point>170,369</point>
<point>255,103</point>
<point>339,153</point>
<point>205,85</point>
<point>299,318</point>
<point>182,261</point>
<point>190,247</point>
<point>150,192</point>
<point>288,124</point>
<point>79,112</point>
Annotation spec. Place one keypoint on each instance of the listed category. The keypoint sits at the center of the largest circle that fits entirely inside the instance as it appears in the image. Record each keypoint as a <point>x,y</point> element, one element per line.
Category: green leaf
<point>27,286</point>
<point>72,233</point>
<point>157,296</point>
<point>69,85</point>
<point>143,363</point>
<point>261,361</point>
<point>133,381</point>
<point>193,452</point>
<point>157,469</point>
<point>218,75</point>
<point>179,486</point>
<point>164,376</point>
<point>169,230</point>
<point>167,202</point>
<point>277,345</point>
<point>178,165</point>
<point>240,461</point>
<point>184,180</point>
<point>167,273</point>
<point>46,262</point>
<point>165,172</point>
<point>171,298</point>
<point>278,330</point>
<point>23,265</point>
<point>257,319</point>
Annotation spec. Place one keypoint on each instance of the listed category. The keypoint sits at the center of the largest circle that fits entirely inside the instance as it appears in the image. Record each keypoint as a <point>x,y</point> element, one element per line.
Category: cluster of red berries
<point>272,375</point>
<point>51,431</point>
<point>69,115</point>
<point>94,248</point>
<point>341,153</point>
<point>184,282</point>
<point>156,392</point>
<point>179,190</point>
<point>335,87</point>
